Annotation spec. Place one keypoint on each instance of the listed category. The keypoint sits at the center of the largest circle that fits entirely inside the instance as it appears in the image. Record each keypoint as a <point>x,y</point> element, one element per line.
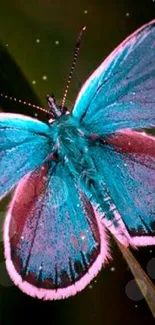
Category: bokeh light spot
<point>151,268</point>
<point>132,290</point>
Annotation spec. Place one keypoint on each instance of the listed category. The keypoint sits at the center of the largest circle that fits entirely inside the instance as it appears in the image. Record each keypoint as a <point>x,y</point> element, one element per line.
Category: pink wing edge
<point>126,239</point>
<point>49,294</point>
<point>107,62</point>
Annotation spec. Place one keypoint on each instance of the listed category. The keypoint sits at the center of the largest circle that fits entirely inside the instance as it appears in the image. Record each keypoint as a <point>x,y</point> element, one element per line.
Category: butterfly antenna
<point>19,101</point>
<point>77,48</point>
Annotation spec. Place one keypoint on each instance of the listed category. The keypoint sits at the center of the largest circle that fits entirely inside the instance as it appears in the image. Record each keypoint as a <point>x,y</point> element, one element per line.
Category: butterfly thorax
<point>70,142</point>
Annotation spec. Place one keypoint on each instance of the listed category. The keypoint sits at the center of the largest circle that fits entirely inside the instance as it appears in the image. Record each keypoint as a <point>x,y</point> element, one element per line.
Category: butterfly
<point>82,175</point>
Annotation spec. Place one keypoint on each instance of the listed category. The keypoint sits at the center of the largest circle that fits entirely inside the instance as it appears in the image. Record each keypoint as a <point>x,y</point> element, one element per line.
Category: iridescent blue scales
<point>83,175</point>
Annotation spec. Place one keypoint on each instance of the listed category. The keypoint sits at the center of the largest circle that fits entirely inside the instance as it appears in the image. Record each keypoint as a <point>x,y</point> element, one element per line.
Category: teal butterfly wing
<point>120,93</point>
<point>120,96</point>
<point>54,242</point>
<point>25,143</point>
<point>124,174</point>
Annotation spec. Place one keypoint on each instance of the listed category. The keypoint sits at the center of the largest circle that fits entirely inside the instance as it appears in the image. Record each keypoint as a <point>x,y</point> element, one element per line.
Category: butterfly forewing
<point>120,93</point>
<point>24,145</point>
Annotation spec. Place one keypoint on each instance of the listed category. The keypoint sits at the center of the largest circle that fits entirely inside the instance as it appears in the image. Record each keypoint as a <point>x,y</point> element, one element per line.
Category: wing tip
<point>99,70</point>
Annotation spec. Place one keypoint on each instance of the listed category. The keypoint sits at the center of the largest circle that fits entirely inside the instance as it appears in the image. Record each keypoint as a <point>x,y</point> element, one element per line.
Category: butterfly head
<point>55,110</point>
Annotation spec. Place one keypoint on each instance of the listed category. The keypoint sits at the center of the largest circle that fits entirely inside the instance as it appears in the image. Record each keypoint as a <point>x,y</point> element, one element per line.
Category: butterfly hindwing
<point>127,165</point>
<point>24,145</point>
<point>54,243</point>
<point>120,93</point>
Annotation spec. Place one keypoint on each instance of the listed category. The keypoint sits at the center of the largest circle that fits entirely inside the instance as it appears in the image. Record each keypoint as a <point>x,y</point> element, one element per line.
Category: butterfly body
<point>73,148</point>
<point>81,175</point>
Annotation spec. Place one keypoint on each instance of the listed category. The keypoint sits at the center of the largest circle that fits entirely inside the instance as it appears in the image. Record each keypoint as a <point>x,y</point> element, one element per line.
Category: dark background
<point>24,60</point>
